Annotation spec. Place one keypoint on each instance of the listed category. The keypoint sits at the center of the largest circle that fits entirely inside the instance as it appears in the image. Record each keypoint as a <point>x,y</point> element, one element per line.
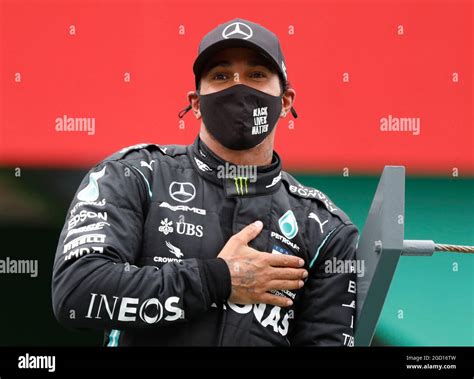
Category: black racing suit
<point>137,254</point>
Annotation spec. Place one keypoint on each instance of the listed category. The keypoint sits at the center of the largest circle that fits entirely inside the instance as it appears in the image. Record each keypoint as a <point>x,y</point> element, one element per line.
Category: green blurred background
<point>430,302</point>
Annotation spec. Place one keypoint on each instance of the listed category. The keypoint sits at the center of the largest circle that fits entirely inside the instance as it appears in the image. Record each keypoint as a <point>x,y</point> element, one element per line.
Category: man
<point>212,243</point>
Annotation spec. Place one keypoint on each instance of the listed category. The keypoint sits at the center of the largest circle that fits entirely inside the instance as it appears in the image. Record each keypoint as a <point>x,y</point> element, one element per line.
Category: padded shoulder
<point>297,189</point>
<point>144,150</point>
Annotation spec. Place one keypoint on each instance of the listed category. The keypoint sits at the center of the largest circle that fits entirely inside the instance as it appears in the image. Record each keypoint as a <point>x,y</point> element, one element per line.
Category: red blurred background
<point>423,71</point>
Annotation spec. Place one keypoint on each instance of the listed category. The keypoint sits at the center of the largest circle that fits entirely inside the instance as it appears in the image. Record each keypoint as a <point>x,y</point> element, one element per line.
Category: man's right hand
<point>254,273</point>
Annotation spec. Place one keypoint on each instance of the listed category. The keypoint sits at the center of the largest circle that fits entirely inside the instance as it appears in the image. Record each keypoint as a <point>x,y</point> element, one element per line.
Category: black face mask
<point>240,117</point>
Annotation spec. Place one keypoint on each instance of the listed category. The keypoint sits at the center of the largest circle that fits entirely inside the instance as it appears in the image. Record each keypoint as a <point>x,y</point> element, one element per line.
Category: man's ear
<point>287,99</point>
<point>193,99</point>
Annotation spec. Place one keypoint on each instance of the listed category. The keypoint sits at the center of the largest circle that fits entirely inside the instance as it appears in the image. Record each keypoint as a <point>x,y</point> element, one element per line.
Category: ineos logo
<point>237,29</point>
<point>182,192</point>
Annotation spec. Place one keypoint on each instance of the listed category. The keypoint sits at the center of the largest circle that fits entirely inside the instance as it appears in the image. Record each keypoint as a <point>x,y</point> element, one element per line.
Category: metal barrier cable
<point>454,248</point>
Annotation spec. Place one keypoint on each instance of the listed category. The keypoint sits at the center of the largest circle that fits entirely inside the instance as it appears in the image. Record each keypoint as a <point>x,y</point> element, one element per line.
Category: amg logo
<point>28,361</point>
<point>185,208</point>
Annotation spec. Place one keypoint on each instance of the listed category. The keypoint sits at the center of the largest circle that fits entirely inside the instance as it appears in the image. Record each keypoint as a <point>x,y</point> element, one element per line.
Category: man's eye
<point>257,74</point>
<point>220,76</point>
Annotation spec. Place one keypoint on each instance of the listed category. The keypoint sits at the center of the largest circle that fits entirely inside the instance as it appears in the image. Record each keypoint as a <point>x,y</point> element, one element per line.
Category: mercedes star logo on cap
<point>237,29</point>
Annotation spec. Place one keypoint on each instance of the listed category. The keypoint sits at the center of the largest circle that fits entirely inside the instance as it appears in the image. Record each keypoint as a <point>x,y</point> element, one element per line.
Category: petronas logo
<point>241,185</point>
<point>91,191</point>
<point>288,224</point>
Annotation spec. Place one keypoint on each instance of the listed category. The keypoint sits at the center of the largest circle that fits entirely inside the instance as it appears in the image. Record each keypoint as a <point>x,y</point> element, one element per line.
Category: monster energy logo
<point>231,171</point>
<point>241,185</point>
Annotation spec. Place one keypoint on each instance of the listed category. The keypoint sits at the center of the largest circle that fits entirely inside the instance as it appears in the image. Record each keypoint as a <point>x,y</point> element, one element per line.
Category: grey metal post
<point>380,246</point>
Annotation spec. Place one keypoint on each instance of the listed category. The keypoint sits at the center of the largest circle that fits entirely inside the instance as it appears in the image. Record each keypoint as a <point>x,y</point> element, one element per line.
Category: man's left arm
<point>325,313</point>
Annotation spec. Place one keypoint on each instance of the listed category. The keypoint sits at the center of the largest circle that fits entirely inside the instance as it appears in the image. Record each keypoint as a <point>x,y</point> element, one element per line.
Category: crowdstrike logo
<point>176,251</point>
<point>237,30</point>
<point>91,192</point>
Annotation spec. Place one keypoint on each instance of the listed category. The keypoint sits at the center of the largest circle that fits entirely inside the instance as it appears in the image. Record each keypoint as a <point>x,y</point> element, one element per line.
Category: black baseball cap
<point>240,33</point>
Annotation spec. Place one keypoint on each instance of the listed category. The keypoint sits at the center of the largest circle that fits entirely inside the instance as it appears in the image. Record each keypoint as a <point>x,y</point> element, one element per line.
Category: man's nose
<point>237,77</point>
